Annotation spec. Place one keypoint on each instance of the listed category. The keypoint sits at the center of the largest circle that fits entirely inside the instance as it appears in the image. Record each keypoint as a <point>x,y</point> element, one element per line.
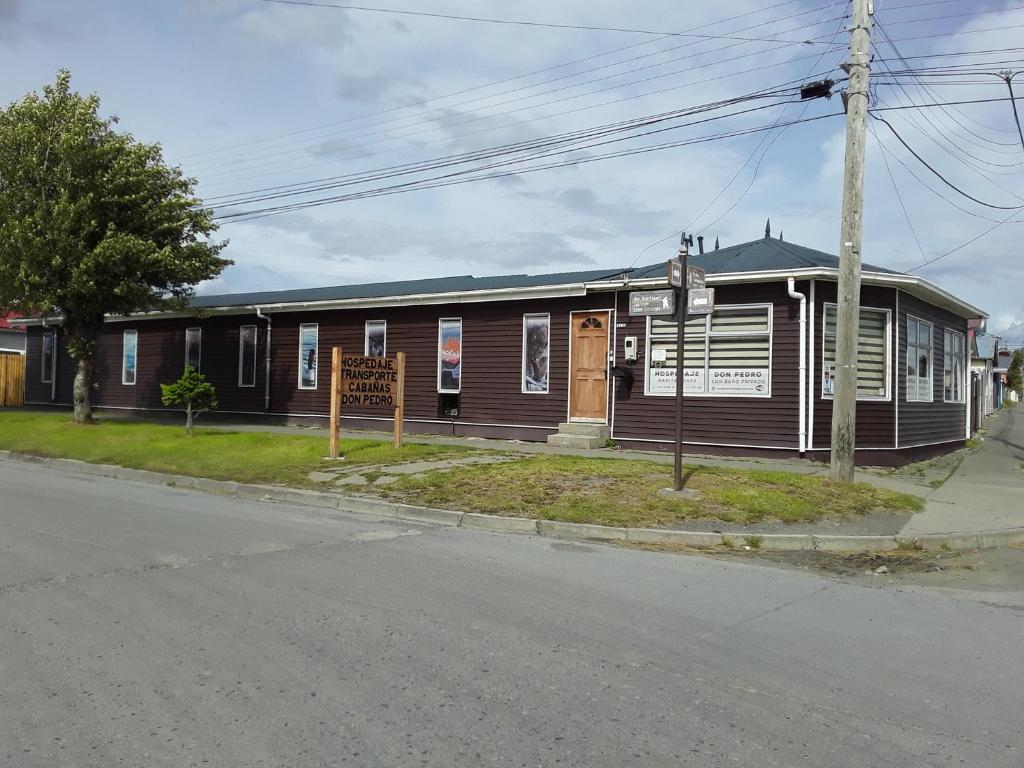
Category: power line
<point>533,96</point>
<point>517,22</point>
<point>965,244</point>
<point>939,175</point>
<point>447,181</point>
<point>896,189</point>
<point>522,76</point>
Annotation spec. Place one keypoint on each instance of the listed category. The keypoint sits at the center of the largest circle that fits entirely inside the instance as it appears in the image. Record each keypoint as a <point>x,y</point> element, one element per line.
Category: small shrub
<point>193,393</point>
<point>754,542</point>
<point>727,542</point>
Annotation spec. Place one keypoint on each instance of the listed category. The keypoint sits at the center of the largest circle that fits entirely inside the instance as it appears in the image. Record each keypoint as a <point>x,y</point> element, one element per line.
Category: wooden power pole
<point>844,403</point>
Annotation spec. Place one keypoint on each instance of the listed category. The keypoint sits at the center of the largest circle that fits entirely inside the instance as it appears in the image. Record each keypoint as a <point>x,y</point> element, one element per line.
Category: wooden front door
<point>588,367</point>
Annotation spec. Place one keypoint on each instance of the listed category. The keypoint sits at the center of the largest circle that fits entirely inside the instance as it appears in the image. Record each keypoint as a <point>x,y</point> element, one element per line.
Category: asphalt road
<point>147,626</point>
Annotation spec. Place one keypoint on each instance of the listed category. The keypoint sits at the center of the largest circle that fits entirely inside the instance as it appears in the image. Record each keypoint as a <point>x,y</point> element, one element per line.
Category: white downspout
<point>791,285</point>
<point>266,356</point>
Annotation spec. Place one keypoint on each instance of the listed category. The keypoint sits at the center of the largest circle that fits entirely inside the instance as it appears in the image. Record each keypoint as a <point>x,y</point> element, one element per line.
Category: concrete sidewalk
<point>986,493</point>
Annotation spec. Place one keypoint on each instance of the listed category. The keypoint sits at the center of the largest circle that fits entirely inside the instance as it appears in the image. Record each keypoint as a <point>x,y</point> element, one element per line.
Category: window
<point>47,357</point>
<point>449,355</point>
<point>247,356</point>
<point>872,354</point>
<point>375,338</point>
<point>725,354</point>
<point>953,367</point>
<point>129,357</point>
<point>536,353</point>
<point>193,347</point>
<point>308,349</point>
<point>919,360</point>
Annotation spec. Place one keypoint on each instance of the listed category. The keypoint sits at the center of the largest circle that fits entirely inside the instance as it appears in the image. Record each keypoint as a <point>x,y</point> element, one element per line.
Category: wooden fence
<point>12,380</point>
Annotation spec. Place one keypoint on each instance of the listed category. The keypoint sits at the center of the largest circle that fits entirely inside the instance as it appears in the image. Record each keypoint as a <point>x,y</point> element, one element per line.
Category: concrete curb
<point>554,529</point>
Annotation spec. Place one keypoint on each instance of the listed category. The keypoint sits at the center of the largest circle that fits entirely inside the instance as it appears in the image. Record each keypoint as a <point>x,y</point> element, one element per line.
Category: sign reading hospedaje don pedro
<point>369,381</point>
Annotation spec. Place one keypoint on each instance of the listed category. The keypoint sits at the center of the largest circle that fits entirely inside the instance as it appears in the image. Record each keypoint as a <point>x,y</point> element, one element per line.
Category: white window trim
<point>707,353</point>
<point>316,373</point>
<point>255,355</point>
<point>888,355</point>
<point>440,322</point>
<point>199,367</point>
<point>931,360</point>
<point>963,366</point>
<point>522,364</point>
<point>366,336</point>
<point>124,357</point>
<point>46,371</point>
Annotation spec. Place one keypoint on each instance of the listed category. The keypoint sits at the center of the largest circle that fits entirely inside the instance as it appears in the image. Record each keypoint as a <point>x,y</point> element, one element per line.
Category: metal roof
<point>764,255</point>
<point>434,285</point>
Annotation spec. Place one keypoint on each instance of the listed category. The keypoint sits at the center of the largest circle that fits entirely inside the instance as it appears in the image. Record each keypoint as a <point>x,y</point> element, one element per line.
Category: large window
<point>193,347</point>
<point>919,360</point>
<point>308,349</point>
<point>872,354</point>
<point>725,354</point>
<point>49,344</point>
<point>129,357</point>
<point>953,367</point>
<point>449,355</point>
<point>247,356</point>
<point>536,353</point>
<point>375,338</point>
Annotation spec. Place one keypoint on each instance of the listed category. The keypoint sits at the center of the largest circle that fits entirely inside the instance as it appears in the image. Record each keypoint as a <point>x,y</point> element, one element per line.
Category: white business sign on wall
<point>718,381</point>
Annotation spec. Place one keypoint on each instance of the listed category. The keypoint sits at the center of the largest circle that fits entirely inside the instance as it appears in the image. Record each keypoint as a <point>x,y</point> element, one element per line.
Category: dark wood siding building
<point>517,356</point>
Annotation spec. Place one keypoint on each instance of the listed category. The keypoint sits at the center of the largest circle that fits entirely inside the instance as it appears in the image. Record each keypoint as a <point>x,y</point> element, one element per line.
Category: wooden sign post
<point>359,381</point>
<point>335,401</point>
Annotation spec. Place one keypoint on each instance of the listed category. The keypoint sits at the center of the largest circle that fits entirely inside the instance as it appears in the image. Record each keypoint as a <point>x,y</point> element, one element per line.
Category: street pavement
<point>149,626</point>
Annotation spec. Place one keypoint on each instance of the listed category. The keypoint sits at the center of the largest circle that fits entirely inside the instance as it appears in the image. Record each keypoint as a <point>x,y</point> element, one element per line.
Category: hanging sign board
<point>675,273</point>
<point>694,277</point>
<point>652,303</point>
<point>700,301</point>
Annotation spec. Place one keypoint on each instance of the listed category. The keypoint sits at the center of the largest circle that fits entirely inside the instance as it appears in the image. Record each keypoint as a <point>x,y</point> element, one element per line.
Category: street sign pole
<point>681,303</point>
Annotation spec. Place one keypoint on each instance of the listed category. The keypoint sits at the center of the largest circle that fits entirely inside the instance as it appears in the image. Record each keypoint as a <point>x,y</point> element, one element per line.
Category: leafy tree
<point>93,222</point>
<point>1015,373</point>
<point>191,392</point>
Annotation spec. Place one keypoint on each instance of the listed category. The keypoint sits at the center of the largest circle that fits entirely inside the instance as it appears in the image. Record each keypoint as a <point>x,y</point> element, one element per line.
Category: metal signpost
<point>678,267</point>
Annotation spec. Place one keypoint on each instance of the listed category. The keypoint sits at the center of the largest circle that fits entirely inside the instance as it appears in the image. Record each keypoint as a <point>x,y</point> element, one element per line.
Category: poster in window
<point>307,356</point>
<point>130,357</point>
<point>193,347</point>
<point>536,352</point>
<point>662,381</point>
<point>376,337</point>
<point>247,356</point>
<point>738,381</point>
<point>450,354</point>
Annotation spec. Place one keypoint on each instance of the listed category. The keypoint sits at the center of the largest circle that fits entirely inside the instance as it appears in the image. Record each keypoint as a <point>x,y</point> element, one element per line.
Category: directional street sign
<point>652,303</point>
<point>700,301</point>
<point>675,273</point>
<point>694,277</point>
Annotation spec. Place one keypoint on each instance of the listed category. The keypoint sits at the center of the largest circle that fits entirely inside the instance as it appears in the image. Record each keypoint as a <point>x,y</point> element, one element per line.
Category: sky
<point>246,95</point>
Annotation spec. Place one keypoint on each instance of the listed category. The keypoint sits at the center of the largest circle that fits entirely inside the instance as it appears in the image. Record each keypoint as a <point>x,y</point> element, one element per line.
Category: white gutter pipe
<point>266,355</point>
<point>793,294</point>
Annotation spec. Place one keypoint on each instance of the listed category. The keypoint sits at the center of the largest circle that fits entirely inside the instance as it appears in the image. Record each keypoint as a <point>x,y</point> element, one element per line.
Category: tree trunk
<point>188,419</point>
<point>83,391</point>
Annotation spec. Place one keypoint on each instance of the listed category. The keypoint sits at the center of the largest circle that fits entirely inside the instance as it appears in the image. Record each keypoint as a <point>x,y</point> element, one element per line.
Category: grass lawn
<point>252,457</point>
<point>625,493</point>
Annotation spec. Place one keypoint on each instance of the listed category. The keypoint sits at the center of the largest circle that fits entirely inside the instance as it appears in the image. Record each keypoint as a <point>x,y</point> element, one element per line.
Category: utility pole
<point>844,403</point>
<point>1007,75</point>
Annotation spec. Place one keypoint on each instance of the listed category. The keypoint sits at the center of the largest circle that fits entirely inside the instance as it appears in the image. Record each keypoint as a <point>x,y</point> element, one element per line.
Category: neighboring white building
<point>11,339</point>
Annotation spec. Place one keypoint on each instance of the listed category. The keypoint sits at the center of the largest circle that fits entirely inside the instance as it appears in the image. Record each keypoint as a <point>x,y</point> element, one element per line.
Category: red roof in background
<point>5,322</point>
